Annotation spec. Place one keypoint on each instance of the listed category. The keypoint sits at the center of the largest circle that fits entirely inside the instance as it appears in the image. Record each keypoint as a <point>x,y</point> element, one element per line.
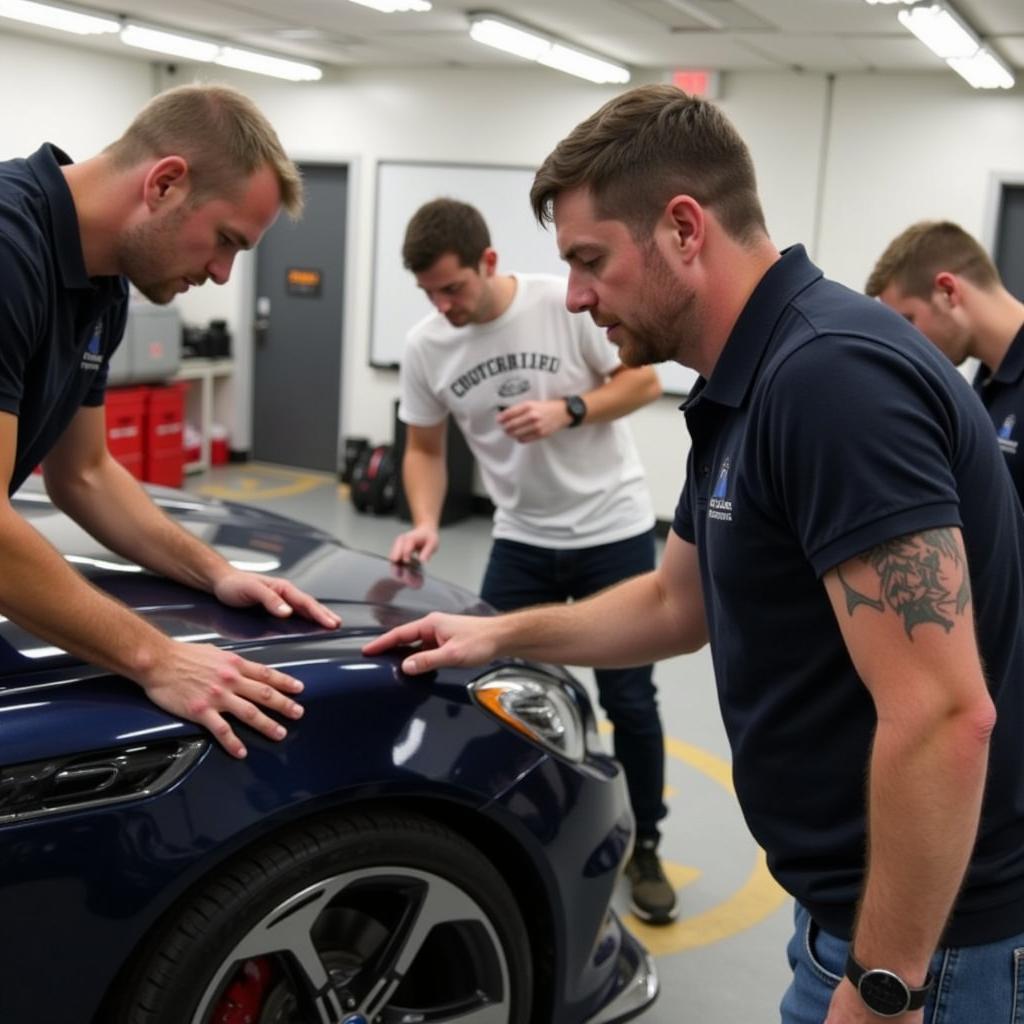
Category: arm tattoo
<point>922,577</point>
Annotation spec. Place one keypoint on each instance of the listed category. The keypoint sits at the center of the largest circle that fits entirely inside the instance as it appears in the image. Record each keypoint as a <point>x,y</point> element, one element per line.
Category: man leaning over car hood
<point>198,176</point>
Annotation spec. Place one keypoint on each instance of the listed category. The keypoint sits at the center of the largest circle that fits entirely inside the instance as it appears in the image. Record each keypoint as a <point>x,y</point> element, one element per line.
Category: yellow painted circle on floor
<point>260,483</point>
<point>757,898</point>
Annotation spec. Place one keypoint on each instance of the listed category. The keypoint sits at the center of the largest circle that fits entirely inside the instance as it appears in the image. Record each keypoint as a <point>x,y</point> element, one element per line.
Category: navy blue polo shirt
<point>830,426</point>
<point>1002,393</point>
<point>58,326</point>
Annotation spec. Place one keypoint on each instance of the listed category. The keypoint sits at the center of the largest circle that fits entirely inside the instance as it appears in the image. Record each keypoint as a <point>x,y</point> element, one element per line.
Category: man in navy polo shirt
<point>199,175</point>
<point>850,544</point>
<point>938,277</point>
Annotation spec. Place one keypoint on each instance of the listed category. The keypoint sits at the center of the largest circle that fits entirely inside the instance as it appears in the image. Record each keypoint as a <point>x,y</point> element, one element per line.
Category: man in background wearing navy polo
<point>849,543</point>
<point>941,279</point>
<point>198,175</point>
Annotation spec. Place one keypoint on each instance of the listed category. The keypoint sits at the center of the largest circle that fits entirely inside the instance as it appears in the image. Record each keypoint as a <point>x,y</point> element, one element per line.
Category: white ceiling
<point>813,35</point>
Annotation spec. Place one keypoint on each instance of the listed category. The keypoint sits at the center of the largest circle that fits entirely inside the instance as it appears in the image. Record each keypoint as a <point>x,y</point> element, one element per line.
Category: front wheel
<point>353,919</point>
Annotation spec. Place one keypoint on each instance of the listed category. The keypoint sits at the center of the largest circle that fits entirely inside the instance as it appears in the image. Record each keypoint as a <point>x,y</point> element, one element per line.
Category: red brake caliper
<point>243,999</point>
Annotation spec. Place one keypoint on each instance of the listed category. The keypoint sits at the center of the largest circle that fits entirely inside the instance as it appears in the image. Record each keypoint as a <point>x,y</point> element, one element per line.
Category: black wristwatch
<point>576,408</point>
<point>884,993</point>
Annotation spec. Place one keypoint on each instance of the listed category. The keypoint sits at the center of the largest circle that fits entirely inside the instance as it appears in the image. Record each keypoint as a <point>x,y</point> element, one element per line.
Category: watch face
<point>884,993</point>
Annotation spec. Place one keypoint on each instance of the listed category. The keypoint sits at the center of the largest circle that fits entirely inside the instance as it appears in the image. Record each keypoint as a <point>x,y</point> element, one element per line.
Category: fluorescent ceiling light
<point>264,64</point>
<point>172,43</point>
<point>512,40</point>
<point>168,42</point>
<point>948,36</point>
<point>582,65</point>
<point>909,3</point>
<point>395,6</point>
<point>57,17</point>
<point>941,31</point>
<point>521,42</point>
<point>983,71</point>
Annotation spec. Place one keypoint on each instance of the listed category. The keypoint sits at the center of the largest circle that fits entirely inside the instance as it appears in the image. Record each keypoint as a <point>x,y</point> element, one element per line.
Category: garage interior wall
<point>843,165</point>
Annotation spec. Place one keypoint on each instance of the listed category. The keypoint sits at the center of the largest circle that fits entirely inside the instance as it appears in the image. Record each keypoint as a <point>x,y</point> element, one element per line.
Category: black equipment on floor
<point>374,478</point>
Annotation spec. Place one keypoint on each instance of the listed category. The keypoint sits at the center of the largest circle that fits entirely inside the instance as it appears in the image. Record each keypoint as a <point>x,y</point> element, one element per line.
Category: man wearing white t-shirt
<point>538,394</point>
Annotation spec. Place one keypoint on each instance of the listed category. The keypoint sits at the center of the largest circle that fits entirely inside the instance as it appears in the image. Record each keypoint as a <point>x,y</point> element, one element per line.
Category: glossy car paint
<point>80,890</point>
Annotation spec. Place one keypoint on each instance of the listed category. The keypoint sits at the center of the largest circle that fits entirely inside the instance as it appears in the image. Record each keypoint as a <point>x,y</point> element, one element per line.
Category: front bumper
<point>638,988</point>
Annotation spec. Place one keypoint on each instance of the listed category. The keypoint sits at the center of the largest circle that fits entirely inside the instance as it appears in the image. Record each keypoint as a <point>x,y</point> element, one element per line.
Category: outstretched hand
<point>202,683</point>
<point>456,640</point>
<point>415,546</point>
<point>279,597</point>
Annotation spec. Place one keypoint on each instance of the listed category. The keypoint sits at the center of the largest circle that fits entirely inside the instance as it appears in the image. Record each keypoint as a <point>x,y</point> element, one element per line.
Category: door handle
<point>261,322</point>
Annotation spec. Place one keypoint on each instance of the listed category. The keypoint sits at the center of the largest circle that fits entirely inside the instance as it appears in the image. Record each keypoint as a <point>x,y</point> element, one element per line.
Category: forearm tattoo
<point>922,577</point>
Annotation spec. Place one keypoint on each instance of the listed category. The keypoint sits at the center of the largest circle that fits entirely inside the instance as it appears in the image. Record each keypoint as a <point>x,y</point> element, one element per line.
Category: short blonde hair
<point>220,132</point>
<point>929,247</point>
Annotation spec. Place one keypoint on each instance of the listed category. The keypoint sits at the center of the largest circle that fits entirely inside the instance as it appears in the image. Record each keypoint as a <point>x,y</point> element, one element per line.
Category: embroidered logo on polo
<point>92,357</point>
<point>720,505</point>
<point>1005,435</point>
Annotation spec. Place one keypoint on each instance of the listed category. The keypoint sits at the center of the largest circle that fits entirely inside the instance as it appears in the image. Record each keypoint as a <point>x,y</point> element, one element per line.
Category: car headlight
<point>536,705</point>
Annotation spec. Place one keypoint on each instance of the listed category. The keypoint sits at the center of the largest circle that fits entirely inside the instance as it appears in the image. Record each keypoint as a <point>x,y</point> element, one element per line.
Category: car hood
<point>369,593</point>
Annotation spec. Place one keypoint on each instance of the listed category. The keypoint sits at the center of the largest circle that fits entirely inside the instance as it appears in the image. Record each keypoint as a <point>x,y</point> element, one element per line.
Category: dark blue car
<point>428,851</point>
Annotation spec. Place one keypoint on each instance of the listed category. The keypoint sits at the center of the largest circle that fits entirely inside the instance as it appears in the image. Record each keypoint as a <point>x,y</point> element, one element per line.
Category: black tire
<point>350,917</point>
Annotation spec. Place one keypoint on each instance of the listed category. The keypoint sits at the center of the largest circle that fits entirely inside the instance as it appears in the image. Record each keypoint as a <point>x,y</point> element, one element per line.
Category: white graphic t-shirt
<point>577,488</point>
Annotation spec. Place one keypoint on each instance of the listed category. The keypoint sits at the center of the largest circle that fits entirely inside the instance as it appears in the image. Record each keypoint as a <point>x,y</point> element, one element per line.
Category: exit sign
<point>697,82</point>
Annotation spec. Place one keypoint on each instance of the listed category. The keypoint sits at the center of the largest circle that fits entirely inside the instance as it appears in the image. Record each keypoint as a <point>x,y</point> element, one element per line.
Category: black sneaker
<point>653,899</point>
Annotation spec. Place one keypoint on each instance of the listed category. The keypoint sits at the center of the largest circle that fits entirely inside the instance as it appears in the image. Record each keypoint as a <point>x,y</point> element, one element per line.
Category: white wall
<point>898,147</point>
<point>75,98</point>
<point>908,147</point>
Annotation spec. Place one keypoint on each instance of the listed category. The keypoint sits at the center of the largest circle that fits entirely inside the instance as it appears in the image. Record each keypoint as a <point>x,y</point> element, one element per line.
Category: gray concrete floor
<point>723,961</point>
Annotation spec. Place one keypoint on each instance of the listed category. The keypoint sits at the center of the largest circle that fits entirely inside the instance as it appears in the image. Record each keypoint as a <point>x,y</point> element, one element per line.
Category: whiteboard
<point>502,195</point>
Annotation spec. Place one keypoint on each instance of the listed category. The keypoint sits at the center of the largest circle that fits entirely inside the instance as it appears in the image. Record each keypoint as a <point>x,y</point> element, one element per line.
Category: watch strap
<point>576,408</point>
<point>857,974</point>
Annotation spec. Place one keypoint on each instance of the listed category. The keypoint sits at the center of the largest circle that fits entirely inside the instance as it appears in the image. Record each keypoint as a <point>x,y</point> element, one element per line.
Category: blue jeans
<point>519,575</point>
<point>973,984</point>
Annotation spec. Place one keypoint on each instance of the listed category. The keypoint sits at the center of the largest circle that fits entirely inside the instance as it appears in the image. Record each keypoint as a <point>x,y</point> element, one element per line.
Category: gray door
<point>300,270</point>
<point>1009,254</point>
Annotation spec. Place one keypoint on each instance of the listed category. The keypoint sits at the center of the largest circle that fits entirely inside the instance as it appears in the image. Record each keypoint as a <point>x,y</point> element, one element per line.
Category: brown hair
<point>442,226</point>
<point>646,146</point>
<point>220,132</point>
<point>925,249</point>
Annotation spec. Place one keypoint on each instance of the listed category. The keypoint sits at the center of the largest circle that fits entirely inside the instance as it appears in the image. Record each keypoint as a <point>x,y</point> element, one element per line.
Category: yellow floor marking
<point>755,900</point>
<point>266,482</point>
<point>758,897</point>
<point>681,875</point>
